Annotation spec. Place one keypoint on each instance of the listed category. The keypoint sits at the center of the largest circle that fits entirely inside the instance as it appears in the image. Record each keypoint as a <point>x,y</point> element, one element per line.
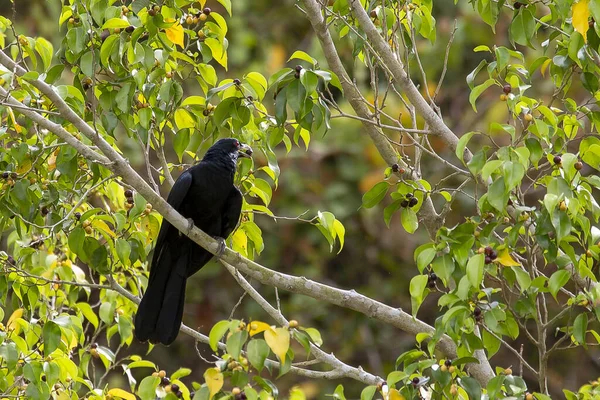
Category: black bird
<point>206,195</point>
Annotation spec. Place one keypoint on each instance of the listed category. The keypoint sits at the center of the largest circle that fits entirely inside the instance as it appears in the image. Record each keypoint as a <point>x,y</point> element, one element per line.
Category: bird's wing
<point>231,212</point>
<point>175,198</point>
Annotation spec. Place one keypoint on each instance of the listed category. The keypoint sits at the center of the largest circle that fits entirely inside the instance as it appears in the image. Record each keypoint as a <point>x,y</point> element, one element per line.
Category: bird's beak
<point>245,151</point>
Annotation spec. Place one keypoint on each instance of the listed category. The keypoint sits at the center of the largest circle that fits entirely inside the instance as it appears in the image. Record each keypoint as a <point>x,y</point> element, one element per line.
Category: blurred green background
<point>333,175</point>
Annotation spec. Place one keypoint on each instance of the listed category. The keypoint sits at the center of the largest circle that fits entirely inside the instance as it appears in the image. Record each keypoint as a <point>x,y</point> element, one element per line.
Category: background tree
<point>500,171</point>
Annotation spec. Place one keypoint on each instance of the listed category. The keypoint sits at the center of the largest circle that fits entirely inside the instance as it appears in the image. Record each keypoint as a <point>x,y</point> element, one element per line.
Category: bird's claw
<point>222,246</point>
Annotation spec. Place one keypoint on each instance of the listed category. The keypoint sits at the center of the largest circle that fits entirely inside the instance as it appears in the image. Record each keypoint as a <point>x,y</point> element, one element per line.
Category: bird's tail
<point>160,312</point>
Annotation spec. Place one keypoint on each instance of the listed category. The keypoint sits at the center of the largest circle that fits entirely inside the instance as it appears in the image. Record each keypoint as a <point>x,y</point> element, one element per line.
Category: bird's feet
<point>190,226</point>
<point>222,246</point>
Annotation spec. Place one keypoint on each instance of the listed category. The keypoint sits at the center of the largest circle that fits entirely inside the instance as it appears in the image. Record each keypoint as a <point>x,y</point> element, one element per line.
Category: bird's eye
<point>236,143</point>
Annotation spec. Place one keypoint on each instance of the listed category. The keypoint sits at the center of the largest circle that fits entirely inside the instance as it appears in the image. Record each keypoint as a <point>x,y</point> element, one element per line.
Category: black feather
<point>206,194</point>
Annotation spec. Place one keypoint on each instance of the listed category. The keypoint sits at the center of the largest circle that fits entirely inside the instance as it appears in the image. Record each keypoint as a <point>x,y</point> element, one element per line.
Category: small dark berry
<point>94,345</point>
<point>5,175</point>
<point>129,193</point>
<point>448,362</point>
<point>175,387</point>
<point>395,167</point>
<point>493,255</point>
<point>130,200</point>
<point>507,89</point>
<point>518,5</point>
<point>297,75</point>
<point>373,14</point>
<point>409,195</point>
<point>578,165</point>
<point>488,260</point>
<point>206,11</point>
<point>488,250</point>
<point>130,29</point>
<point>152,12</point>
<point>77,215</point>
<point>477,311</point>
<point>298,68</point>
<point>431,284</point>
<point>44,211</point>
<point>415,381</point>
<point>105,33</point>
<point>557,160</point>
<point>206,112</point>
<point>85,86</point>
<point>44,378</point>
<point>250,98</point>
<point>14,175</point>
<point>413,202</point>
<point>404,203</point>
<point>10,260</point>
<point>249,152</point>
<point>432,276</point>
<point>237,82</point>
<point>165,381</point>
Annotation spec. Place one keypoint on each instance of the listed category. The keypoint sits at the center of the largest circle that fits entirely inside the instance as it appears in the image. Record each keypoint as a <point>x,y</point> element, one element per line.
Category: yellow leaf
<point>11,324</point>
<point>214,380</point>
<point>240,242</point>
<point>278,340</point>
<point>52,162</point>
<point>25,166</point>
<point>581,14</point>
<point>395,395</point>
<point>98,223</point>
<point>183,119</point>
<point>506,259</point>
<point>116,392</point>
<point>257,327</point>
<point>175,34</point>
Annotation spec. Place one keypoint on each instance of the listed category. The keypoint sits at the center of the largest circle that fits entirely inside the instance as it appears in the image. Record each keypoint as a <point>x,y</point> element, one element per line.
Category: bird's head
<point>228,149</point>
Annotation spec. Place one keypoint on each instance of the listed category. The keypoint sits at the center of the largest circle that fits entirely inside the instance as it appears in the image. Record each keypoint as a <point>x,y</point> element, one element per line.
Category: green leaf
<point>471,386</point>
<point>115,23</point>
<point>258,351</point>
<point>339,393</point>
<point>375,195</point>
<point>389,211</point>
<point>300,55</point>
<point>315,336</point>
<point>181,142</point>
<point>218,50</point>
<point>409,220</point>
<point>227,5</point>
<point>475,270</point>
<point>147,388</point>
<point>88,313</point>
<point>558,280</point>
<point>498,195</point>
<point>368,392</point>
<point>51,334</point>
<point>462,145</point>
<point>123,251</point>
<point>580,328</point>
<point>443,267</point>
<point>45,49</point>
<point>217,332</point>
<point>180,373</point>
<point>477,91</point>
<point>418,284</point>
<point>395,377</point>
<point>235,343</point>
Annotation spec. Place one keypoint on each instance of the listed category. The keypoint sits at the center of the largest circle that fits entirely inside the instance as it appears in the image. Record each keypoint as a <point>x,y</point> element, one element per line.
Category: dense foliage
<point>518,269</point>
